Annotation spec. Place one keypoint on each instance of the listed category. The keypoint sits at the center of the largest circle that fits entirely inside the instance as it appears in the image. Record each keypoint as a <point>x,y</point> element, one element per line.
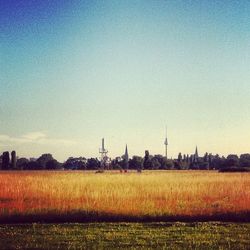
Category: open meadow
<point>161,235</point>
<point>168,208</point>
<point>78,196</point>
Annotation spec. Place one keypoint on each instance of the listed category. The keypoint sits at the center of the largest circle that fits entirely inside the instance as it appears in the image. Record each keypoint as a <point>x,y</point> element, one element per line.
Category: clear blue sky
<point>72,72</point>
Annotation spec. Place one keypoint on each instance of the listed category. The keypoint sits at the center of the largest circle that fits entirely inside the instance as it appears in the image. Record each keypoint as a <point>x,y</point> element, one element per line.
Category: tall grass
<point>152,194</point>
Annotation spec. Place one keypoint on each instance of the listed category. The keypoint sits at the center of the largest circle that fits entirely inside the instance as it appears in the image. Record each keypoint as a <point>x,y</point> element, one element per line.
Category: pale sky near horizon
<point>72,72</point>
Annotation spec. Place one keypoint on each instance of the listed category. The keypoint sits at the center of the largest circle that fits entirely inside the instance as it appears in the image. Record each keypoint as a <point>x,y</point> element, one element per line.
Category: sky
<point>72,72</point>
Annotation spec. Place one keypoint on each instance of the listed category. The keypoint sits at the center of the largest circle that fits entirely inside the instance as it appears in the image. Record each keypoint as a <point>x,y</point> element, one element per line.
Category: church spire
<point>196,156</point>
<point>196,152</point>
<point>166,144</point>
<point>126,158</point>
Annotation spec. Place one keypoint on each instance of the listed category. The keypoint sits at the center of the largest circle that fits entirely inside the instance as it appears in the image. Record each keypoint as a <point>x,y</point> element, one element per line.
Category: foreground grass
<point>126,235</point>
<point>45,196</point>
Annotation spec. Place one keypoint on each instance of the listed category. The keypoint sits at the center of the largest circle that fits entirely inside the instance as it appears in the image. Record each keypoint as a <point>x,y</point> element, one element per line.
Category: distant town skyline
<point>73,72</point>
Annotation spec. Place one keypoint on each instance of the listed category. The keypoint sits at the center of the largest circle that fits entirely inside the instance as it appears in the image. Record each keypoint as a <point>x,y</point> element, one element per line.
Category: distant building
<point>166,145</point>
<point>196,156</point>
<point>126,158</point>
<point>105,160</point>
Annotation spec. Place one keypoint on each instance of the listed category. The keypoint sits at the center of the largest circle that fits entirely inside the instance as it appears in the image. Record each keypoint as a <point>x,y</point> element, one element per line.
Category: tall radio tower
<point>104,157</point>
<point>166,144</point>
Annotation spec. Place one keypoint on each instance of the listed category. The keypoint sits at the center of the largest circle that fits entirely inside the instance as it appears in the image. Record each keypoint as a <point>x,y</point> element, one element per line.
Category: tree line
<point>10,161</point>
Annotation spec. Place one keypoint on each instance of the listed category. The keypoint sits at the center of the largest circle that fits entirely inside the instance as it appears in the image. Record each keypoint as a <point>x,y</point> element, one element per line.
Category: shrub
<point>234,169</point>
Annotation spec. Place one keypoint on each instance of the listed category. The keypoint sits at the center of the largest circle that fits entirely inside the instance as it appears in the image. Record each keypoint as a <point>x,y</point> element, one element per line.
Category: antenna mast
<point>104,157</point>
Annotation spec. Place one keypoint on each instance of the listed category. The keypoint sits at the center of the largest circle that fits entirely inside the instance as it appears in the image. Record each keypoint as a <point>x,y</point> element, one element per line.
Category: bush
<point>234,169</point>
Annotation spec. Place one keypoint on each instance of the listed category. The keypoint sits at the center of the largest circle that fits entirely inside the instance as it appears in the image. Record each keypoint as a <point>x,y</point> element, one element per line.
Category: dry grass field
<point>112,196</point>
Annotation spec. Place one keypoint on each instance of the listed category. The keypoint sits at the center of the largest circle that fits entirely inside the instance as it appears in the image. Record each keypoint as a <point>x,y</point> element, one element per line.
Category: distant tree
<point>155,164</point>
<point>33,165</point>
<point>218,162</point>
<point>184,158</point>
<point>1,161</point>
<point>53,164</point>
<point>13,160</point>
<point>5,160</point>
<point>79,163</point>
<point>191,159</point>
<point>117,163</point>
<point>121,163</point>
<point>245,160</point>
<point>205,158</point>
<point>43,159</point>
<point>232,161</point>
<point>147,164</point>
<point>210,159</point>
<point>68,164</point>
<point>194,164</point>
<point>136,163</point>
<point>93,164</point>
<point>163,161</point>
<point>180,165</point>
<point>177,164</point>
<point>203,165</point>
<point>22,163</point>
<point>169,164</point>
<point>179,157</point>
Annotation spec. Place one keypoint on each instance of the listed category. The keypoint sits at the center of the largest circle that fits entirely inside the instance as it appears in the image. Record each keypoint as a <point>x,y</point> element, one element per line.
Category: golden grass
<point>151,193</point>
